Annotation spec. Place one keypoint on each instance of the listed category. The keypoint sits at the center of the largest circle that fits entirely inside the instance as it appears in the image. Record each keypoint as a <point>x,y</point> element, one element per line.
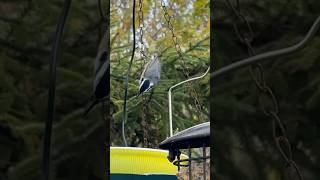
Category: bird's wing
<point>101,67</point>
<point>101,62</point>
<point>142,74</point>
<point>153,69</point>
<point>101,54</point>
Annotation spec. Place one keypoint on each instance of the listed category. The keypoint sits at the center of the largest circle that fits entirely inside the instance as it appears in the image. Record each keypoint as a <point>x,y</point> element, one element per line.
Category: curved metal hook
<point>169,95</point>
<point>271,54</point>
<point>52,88</point>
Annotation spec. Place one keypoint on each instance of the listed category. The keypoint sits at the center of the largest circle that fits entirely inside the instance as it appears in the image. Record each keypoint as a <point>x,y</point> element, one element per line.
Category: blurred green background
<point>78,146</point>
<point>78,149</point>
<point>148,121</point>
<point>243,146</point>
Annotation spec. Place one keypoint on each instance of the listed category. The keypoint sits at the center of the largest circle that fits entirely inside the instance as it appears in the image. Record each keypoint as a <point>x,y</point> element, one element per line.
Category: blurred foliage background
<point>148,122</point>
<point>78,150</point>
<point>26,37</point>
<point>243,145</point>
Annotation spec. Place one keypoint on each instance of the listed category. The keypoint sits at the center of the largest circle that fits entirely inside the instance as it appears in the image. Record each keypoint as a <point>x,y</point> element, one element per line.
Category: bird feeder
<point>141,164</point>
<point>194,137</point>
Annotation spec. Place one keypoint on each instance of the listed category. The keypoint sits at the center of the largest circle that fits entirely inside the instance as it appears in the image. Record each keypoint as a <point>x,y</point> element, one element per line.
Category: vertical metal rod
<point>124,114</point>
<point>105,114</point>
<point>170,91</point>
<point>107,108</point>
<point>46,161</point>
<point>190,175</point>
<point>170,112</point>
<point>204,161</point>
<point>178,157</point>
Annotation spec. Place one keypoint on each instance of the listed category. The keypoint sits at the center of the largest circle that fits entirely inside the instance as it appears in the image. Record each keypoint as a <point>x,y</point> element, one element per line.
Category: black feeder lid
<point>193,137</point>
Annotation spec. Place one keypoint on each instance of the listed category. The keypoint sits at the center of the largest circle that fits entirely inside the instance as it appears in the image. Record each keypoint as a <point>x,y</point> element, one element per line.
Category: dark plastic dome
<point>193,137</point>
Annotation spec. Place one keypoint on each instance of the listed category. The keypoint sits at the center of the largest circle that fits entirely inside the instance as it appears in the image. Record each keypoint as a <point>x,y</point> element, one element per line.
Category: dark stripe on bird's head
<point>144,86</point>
<point>102,89</point>
<point>103,57</point>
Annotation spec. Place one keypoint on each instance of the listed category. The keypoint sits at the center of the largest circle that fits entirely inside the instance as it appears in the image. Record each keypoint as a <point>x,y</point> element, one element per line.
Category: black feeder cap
<point>193,137</point>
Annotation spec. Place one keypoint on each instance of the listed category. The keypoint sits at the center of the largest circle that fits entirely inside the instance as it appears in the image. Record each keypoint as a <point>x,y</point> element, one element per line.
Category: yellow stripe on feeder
<point>141,163</point>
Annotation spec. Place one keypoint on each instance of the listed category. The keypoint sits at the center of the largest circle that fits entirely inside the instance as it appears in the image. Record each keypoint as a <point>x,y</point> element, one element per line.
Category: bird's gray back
<point>153,70</point>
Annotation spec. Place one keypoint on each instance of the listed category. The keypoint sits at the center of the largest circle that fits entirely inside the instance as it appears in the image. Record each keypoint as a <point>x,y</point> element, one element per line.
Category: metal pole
<point>190,175</point>
<point>204,161</point>
<point>170,113</point>
<point>169,95</point>
<point>178,157</point>
<point>124,114</point>
<point>46,161</point>
<point>271,54</point>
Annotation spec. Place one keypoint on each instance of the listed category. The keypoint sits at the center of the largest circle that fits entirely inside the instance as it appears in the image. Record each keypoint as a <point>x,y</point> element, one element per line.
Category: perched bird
<point>150,75</point>
<point>101,72</point>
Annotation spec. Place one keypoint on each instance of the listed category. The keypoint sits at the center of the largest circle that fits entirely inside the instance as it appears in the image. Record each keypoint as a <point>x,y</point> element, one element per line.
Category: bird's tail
<point>138,94</point>
<point>90,107</point>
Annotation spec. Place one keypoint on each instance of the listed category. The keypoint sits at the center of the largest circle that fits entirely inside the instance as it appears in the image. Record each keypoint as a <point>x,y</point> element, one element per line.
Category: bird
<point>101,75</point>
<point>150,75</point>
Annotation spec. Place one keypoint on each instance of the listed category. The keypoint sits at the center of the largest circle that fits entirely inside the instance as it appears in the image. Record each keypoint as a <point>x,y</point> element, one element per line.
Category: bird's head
<point>145,86</point>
